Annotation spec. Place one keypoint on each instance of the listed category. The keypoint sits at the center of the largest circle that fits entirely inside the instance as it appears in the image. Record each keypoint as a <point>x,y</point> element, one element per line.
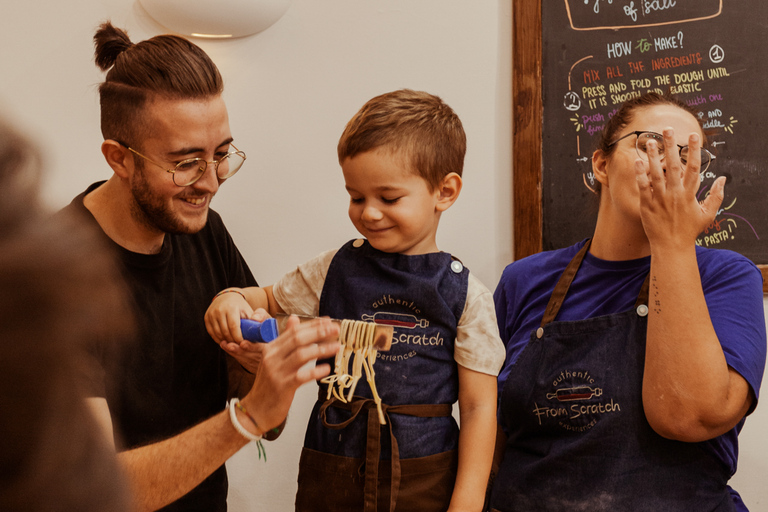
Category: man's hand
<point>284,367</point>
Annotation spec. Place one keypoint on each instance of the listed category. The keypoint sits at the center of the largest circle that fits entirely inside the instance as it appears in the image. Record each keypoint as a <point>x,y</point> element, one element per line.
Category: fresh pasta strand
<point>338,361</point>
<point>362,343</point>
<point>357,339</point>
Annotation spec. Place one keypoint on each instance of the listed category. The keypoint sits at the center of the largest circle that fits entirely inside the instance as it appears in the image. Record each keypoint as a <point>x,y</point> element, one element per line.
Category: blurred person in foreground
<point>58,293</point>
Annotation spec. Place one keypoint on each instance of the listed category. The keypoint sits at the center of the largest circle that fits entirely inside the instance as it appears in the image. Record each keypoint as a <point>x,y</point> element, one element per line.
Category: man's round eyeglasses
<point>188,171</point>
<point>641,145</point>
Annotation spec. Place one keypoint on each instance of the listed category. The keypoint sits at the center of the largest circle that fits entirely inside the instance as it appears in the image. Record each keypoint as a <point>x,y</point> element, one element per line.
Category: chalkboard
<point>595,54</point>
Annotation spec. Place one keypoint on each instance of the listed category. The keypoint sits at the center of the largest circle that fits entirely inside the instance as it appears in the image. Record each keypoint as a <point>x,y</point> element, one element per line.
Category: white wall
<point>290,91</point>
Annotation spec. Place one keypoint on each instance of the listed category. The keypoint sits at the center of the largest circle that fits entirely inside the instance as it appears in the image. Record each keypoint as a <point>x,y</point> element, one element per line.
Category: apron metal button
<point>539,332</point>
<point>642,310</point>
<point>456,266</point>
<point>358,242</point>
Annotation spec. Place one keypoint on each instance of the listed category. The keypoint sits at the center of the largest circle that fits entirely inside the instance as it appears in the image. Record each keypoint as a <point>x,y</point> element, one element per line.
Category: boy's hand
<point>246,353</point>
<point>222,319</point>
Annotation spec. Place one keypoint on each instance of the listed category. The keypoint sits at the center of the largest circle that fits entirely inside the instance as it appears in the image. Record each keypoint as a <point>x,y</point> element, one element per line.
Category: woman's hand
<point>690,393</point>
<point>668,207</point>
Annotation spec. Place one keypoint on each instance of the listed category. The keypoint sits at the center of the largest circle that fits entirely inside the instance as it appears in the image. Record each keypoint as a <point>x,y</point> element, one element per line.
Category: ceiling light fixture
<point>216,19</point>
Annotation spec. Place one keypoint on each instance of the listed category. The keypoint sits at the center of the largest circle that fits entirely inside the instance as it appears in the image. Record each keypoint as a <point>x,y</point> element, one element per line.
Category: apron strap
<point>558,295</point>
<point>564,283</point>
<point>373,441</point>
<point>642,298</point>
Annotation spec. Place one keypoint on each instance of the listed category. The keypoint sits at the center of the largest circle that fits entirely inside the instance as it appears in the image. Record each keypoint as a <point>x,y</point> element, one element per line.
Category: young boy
<point>402,156</point>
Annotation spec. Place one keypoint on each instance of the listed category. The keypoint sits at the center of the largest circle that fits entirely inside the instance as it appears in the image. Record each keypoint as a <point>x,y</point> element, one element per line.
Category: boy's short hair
<point>418,125</point>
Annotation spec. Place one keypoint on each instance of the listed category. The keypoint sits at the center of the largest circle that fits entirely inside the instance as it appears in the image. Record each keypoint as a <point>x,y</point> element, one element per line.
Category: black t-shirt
<point>172,375</point>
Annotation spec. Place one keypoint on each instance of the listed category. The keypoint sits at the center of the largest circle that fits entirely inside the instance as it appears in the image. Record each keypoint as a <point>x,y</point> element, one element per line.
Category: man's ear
<point>448,191</point>
<point>118,157</point>
<point>599,163</point>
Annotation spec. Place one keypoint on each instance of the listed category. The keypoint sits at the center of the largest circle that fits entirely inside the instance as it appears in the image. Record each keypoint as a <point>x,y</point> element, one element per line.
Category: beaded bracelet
<point>235,403</point>
<point>229,290</point>
<point>269,435</point>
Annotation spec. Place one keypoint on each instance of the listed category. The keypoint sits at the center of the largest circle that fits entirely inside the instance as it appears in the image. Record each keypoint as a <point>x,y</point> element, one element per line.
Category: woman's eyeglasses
<point>641,145</point>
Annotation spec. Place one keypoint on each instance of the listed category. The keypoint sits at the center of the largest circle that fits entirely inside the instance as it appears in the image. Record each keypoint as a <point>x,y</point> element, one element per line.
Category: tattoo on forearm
<point>655,294</point>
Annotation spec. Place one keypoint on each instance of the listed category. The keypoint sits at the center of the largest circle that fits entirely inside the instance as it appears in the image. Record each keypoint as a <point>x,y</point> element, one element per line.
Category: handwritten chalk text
<point>675,62</point>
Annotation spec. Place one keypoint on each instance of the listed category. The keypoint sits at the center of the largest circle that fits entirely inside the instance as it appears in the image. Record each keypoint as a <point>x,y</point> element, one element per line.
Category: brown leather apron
<point>420,484</point>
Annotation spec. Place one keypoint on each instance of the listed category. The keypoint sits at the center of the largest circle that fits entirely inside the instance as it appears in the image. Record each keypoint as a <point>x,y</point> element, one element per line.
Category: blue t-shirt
<point>733,289</point>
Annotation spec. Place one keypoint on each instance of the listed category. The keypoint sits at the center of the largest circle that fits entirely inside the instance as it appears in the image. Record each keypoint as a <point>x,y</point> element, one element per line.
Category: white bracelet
<point>236,423</point>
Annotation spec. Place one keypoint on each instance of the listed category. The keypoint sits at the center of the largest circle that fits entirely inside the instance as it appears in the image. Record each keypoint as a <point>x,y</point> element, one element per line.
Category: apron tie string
<point>373,441</point>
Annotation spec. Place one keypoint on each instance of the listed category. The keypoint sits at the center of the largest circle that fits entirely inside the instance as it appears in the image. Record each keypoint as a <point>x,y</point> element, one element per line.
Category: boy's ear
<point>448,191</point>
<point>118,157</point>
<point>599,163</point>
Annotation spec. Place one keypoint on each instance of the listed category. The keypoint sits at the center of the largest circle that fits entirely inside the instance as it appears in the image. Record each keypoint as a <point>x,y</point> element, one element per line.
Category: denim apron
<point>578,438</point>
<point>349,460</point>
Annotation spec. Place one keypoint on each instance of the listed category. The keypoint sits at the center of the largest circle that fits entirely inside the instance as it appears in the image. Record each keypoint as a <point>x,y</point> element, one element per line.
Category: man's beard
<point>151,210</point>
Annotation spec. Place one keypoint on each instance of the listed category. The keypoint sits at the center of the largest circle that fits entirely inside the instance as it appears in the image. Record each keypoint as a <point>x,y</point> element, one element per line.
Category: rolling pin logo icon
<point>577,393</point>
<point>397,320</point>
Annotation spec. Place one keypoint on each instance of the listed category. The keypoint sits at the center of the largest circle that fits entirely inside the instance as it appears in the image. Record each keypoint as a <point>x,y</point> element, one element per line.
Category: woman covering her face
<point>633,357</point>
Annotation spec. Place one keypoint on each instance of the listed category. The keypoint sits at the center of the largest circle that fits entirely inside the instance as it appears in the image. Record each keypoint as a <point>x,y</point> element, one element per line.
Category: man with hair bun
<point>168,142</point>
